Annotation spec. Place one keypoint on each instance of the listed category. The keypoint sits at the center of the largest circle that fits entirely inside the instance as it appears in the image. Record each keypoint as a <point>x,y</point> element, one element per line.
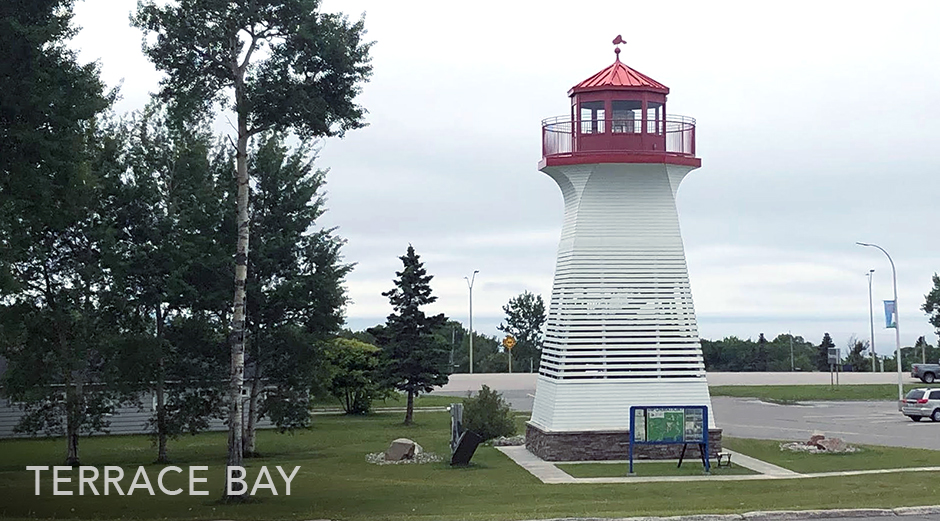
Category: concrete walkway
<point>544,470</point>
<point>759,466</point>
<point>549,473</point>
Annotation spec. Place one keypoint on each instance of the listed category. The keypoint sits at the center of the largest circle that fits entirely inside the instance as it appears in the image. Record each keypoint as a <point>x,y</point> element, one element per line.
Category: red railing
<point>561,136</point>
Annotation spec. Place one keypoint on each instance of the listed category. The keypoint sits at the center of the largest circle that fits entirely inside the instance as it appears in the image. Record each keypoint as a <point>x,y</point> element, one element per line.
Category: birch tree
<point>280,65</point>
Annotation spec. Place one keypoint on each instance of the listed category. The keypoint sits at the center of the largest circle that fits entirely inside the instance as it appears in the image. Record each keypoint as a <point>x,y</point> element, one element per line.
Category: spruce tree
<point>822,353</point>
<point>760,362</point>
<point>416,359</point>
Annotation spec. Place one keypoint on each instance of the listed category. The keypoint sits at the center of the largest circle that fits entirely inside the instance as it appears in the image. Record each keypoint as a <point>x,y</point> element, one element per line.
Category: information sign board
<point>658,425</point>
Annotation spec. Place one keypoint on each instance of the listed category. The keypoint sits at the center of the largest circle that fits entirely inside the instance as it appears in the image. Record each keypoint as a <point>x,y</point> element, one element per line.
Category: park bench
<point>724,459</point>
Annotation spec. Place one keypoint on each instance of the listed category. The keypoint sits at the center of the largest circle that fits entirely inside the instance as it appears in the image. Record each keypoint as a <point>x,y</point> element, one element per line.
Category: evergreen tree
<point>287,67</point>
<point>58,157</point>
<point>295,287</point>
<point>759,361</point>
<point>416,359</point>
<point>822,353</point>
<point>525,316</point>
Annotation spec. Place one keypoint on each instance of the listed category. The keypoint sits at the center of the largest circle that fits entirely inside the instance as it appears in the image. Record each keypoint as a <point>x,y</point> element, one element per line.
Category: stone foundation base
<point>606,445</point>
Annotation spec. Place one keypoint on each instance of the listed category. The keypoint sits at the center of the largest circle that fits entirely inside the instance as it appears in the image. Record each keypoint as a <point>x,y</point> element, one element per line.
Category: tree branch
<point>258,130</point>
<point>251,49</point>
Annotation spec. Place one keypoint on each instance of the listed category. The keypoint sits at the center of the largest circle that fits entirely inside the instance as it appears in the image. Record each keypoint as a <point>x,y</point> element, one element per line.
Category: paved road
<point>526,381</point>
<point>932,517</point>
<point>876,423</point>
<point>519,399</point>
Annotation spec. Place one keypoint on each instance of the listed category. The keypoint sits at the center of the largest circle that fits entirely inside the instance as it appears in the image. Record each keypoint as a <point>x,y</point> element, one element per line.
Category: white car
<point>922,403</point>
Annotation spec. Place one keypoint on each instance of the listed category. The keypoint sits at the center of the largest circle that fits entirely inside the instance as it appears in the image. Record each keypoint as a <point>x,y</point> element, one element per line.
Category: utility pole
<point>453,342</point>
<point>470,285</point>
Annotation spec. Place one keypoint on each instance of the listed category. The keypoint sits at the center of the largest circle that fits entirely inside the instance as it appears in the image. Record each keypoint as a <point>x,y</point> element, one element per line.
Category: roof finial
<point>617,41</point>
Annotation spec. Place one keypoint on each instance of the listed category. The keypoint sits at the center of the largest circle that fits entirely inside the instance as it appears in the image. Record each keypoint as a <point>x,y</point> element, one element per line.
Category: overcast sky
<point>817,127</point>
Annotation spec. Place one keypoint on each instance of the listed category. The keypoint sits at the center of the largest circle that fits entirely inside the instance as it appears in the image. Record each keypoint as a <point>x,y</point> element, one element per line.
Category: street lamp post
<point>897,319</point>
<point>470,285</point>
<point>871,321</point>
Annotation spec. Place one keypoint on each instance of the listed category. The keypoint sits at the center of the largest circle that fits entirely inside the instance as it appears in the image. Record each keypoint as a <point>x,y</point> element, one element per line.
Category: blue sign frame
<point>701,440</point>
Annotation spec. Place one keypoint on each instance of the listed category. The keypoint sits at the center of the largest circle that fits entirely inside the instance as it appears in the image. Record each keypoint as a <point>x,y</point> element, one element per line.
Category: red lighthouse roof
<point>619,77</point>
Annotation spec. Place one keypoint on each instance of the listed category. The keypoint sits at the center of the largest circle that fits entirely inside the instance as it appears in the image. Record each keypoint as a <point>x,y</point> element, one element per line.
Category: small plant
<point>488,415</point>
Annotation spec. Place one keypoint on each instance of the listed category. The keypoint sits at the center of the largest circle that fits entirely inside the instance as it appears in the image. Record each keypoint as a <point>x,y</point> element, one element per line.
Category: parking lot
<point>876,423</point>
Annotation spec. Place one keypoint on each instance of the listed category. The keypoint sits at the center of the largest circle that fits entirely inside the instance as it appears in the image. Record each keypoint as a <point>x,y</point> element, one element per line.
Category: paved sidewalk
<point>546,471</point>
<point>759,466</point>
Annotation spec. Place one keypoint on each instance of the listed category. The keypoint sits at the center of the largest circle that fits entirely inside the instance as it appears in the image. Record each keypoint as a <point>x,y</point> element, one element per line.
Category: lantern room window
<point>654,118</point>
<point>592,117</point>
<point>626,116</point>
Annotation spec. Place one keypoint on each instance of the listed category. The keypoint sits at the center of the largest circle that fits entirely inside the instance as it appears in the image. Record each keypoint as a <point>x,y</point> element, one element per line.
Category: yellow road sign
<point>509,342</point>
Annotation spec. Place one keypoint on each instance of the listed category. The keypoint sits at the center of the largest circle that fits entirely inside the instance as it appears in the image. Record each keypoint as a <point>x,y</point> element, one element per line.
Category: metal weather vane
<point>617,41</point>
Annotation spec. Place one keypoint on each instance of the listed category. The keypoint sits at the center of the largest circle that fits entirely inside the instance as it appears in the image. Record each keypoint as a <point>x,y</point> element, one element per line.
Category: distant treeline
<point>787,352</point>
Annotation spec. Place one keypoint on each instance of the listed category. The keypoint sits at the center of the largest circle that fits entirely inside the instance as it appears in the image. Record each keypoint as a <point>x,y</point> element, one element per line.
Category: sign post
<point>835,360</point>
<point>509,342</point>
<point>456,425</point>
<point>670,425</point>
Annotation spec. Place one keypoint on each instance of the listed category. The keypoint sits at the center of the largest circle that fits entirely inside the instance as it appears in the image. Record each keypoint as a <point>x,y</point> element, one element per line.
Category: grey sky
<point>816,129</point>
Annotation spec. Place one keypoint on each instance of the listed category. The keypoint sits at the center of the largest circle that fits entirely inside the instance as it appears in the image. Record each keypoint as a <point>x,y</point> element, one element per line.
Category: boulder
<point>402,449</point>
<point>832,444</point>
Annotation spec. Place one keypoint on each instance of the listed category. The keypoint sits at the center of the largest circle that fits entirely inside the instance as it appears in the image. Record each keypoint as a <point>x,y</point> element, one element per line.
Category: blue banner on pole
<point>891,313</point>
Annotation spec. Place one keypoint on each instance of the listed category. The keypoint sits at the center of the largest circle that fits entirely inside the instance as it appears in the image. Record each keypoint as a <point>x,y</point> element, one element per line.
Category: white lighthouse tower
<point>621,327</point>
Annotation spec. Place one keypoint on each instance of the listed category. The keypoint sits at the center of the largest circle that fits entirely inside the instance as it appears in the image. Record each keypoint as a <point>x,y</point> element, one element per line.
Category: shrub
<point>488,415</point>
<point>354,374</point>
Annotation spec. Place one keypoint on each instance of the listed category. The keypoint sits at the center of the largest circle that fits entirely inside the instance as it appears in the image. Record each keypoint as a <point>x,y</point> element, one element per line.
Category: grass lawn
<point>399,400</point>
<point>869,458</point>
<point>335,482</point>
<point>805,393</point>
<point>692,467</point>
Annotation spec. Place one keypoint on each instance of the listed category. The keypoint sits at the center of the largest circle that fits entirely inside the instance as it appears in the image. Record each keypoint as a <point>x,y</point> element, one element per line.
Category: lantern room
<point>618,115</point>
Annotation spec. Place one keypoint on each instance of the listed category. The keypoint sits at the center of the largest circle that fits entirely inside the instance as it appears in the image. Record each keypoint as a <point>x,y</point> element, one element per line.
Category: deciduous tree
<point>932,303</point>
<point>57,159</point>
<point>295,286</point>
<point>525,316</point>
<point>856,354</point>
<point>355,378</point>
<point>172,268</point>
<point>280,65</point>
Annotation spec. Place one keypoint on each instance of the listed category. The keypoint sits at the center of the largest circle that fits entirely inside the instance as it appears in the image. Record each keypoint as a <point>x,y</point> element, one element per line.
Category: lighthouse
<point>621,328</point>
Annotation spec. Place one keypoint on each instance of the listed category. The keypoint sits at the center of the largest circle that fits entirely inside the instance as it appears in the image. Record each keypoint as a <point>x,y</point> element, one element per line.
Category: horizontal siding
<point>621,327</point>
<point>604,405</point>
<point>126,420</point>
